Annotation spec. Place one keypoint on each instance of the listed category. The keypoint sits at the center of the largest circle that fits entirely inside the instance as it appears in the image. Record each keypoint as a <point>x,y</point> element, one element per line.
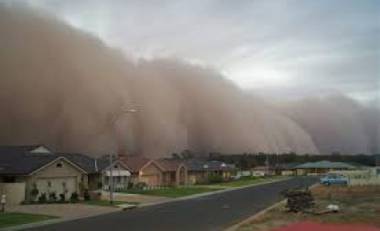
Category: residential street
<point>214,212</point>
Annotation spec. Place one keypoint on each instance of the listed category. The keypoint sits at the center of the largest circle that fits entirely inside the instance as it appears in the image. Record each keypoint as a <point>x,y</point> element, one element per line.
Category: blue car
<point>334,179</point>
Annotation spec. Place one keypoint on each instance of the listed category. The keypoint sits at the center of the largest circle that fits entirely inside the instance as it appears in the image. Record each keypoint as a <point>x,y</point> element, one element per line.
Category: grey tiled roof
<point>18,160</point>
<point>203,165</point>
<point>85,162</point>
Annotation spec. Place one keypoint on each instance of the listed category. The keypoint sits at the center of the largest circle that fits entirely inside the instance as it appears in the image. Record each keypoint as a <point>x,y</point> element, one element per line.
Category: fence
<point>15,192</point>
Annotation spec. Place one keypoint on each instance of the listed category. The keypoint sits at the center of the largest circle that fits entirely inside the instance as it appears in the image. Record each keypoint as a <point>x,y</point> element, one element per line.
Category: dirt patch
<point>359,205</point>
<point>313,226</point>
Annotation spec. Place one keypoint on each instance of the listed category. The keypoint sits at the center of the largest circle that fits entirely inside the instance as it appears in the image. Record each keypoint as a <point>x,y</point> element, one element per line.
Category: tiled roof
<point>169,164</point>
<point>326,164</point>
<point>203,165</point>
<point>134,162</point>
<point>85,162</point>
<point>18,160</point>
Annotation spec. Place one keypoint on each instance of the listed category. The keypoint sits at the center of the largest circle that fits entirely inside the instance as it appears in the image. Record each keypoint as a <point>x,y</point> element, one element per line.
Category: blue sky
<point>285,48</point>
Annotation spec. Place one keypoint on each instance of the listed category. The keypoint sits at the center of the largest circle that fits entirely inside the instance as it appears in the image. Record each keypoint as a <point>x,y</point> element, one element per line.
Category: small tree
<point>52,197</point>
<point>74,197</point>
<point>34,192</point>
<point>42,198</point>
<point>86,195</point>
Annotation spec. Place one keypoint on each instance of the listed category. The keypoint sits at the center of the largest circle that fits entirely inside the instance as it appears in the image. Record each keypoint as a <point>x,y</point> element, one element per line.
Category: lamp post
<point>111,183</point>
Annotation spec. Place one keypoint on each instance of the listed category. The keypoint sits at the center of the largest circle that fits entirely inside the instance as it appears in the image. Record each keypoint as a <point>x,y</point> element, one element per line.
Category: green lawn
<point>244,181</point>
<point>11,219</point>
<point>106,203</point>
<point>174,192</point>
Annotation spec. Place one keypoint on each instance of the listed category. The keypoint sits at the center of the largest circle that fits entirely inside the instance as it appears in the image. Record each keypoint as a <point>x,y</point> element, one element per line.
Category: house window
<point>115,166</point>
<point>59,165</point>
<point>49,184</point>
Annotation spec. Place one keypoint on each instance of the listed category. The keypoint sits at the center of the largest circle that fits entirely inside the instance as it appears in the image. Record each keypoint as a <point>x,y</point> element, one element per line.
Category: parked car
<point>334,179</point>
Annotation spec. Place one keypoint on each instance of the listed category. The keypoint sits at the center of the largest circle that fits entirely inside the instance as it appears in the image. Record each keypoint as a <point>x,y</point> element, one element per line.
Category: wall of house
<point>67,173</point>
<point>15,192</point>
<point>181,176</point>
<point>151,175</point>
<point>168,179</point>
<point>197,177</point>
<point>287,173</point>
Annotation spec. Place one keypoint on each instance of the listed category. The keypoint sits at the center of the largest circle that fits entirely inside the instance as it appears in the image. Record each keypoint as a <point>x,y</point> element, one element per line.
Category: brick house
<point>25,168</point>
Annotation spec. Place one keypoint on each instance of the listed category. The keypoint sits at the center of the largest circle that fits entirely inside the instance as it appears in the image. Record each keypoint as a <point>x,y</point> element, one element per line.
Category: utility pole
<point>110,182</point>
<point>113,120</point>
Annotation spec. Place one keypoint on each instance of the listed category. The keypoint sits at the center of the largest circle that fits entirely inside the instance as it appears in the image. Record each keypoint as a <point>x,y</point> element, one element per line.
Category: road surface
<point>213,212</point>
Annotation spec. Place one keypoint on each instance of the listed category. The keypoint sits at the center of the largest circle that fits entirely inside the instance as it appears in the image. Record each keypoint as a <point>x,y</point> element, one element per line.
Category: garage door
<point>57,184</point>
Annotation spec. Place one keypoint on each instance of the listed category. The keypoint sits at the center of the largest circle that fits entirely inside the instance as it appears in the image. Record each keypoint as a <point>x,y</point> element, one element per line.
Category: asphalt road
<point>213,212</point>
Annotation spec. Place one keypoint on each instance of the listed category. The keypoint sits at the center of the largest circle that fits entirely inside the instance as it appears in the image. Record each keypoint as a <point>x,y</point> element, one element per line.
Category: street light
<point>111,188</point>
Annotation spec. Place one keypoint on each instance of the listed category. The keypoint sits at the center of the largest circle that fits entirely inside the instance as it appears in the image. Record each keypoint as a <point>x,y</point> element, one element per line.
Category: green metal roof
<point>326,164</point>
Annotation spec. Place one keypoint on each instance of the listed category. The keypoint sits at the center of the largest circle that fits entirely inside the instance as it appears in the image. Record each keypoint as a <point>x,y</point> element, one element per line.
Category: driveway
<point>135,198</point>
<point>213,212</point>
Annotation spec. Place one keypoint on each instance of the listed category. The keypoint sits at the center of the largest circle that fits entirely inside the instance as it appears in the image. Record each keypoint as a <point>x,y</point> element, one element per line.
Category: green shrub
<point>130,185</point>
<point>74,197</point>
<point>62,197</point>
<point>86,195</point>
<point>52,197</point>
<point>42,198</point>
<point>140,185</point>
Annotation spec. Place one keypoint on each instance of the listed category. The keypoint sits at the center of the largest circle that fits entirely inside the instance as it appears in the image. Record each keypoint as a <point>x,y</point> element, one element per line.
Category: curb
<point>250,219</point>
<point>260,213</point>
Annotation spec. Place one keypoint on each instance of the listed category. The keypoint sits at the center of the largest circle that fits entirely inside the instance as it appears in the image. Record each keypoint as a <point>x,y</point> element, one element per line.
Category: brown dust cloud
<point>64,88</point>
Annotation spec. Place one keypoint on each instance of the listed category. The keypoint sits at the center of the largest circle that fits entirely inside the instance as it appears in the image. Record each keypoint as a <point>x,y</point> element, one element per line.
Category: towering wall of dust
<point>64,88</point>
<point>339,124</point>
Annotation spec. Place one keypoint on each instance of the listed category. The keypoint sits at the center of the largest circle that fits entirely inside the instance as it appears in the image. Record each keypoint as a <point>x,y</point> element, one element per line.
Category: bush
<point>34,192</point>
<point>140,185</point>
<point>74,197</point>
<point>215,178</point>
<point>52,197</point>
<point>42,198</point>
<point>100,185</point>
<point>62,197</point>
<point>130,185</point>
<point>86,195</point>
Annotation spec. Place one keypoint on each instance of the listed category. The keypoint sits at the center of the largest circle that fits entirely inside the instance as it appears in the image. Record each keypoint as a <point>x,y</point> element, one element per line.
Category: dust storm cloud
<point>62,87</point>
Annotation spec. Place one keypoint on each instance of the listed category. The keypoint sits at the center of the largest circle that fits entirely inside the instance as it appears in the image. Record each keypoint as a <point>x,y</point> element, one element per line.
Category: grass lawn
<point>358,204</point>
<point>173,192</point>
<point>12,219</point>
<point>106,203</point>
<point>244,181</point>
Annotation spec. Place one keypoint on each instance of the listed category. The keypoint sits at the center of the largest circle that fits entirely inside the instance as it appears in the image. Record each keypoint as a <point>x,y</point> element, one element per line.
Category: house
<point>199,170</point>
<point>26,172</point>
<point>263,171</point>
<point>286,169</point>
<point>174,172</point>
<point>321,167</point>
<point>98,171</point>
<point>143,170</point>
